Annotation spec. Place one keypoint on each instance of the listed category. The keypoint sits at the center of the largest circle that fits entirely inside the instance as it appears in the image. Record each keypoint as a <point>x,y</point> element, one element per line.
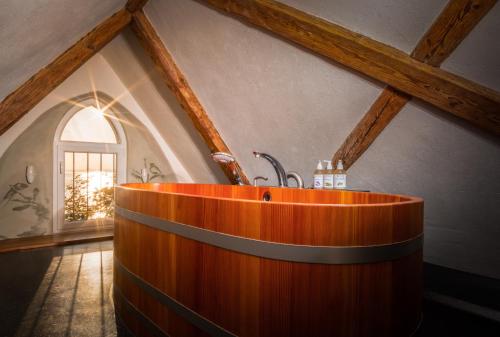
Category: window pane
<point>114,170</point>
<point>89,179</point>
<point>68,161</point>
<point>94,172</point>
<point>76,198</point>
<point>94,162</point>
<point>107,162</point>
<point>68,168</point>
<point>89,125</point>
<point>102,196</point>
<point>68,179</point>
<point>81,163</point>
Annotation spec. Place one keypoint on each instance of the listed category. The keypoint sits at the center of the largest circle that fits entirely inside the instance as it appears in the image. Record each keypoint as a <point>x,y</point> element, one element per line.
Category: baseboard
<point>60,239</point>
<point>464,291</point>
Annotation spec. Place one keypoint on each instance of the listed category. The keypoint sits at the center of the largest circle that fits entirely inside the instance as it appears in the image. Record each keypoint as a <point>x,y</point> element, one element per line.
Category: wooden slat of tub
<point>129,256</point>
<point>269,298</point>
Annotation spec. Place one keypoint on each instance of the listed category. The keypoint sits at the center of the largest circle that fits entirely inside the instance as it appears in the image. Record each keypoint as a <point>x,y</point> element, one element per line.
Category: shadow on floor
<point>61,291</point>
<point>66,291</point>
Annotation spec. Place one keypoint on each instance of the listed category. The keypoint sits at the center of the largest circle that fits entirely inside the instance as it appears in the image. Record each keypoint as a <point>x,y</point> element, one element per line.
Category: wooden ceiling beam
<point>380,114</point>
<point>449,29</point>
<point>135,5</point>
<point>177,83</point>
<point>24,98</point>
<point>461,97</point>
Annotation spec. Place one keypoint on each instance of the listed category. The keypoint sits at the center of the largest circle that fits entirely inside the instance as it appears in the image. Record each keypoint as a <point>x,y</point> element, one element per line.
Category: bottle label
<point>328,181</point>
<point>340,180</point>
<point>318,181</point>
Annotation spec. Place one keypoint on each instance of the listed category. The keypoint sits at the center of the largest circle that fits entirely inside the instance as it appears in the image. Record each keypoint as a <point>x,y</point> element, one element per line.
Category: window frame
<point>60,146</point>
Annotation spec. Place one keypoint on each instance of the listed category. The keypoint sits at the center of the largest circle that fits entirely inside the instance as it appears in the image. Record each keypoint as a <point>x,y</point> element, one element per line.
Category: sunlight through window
<point>89,125</point>
<point>88,185</point>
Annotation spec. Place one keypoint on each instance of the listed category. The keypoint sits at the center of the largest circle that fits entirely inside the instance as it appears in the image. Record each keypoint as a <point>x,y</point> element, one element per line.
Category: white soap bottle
<point>318,176</point>
<point>339,176</point>
<point>328,176</point>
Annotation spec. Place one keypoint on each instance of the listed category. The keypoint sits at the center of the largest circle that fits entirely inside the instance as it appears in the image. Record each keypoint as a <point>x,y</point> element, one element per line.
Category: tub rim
<point>411,199</point>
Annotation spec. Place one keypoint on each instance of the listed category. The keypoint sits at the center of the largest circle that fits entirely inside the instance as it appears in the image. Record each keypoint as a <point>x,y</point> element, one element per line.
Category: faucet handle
<point>295,176</point>
<point>258,178</point>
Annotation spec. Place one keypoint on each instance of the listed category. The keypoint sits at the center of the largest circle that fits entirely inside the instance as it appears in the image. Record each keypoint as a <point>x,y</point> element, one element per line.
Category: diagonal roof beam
<point>461,97</point>
<point>454,23</point>
<point>180,87</point>
<point>380,114</point>
<point>450,28</point>
<point>24,98</point>
<point>135,5</point>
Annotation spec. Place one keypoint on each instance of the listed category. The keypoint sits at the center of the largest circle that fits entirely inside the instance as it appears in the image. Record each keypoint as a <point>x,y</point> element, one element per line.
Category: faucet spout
<point>280,171</point>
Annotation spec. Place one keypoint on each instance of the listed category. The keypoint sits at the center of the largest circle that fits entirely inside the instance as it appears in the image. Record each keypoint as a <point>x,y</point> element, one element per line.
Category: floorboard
<point>75,237</point>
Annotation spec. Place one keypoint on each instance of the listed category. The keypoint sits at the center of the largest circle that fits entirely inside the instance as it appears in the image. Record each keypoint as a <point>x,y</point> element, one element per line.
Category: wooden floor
<point>100,234</point>
<point>58,291</point>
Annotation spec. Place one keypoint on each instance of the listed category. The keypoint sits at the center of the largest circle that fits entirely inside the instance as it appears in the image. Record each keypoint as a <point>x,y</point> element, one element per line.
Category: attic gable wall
<point>399,24</point>
<point>30,141</point>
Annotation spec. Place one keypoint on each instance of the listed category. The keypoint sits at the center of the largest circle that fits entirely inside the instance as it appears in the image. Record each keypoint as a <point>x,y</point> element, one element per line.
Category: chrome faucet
<point>229,160</point>
<point>280,171</point>
<point>283,176</point>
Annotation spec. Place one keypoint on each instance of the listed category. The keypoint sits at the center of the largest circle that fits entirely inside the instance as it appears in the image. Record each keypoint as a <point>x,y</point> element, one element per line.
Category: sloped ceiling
<point>477,57</point>
<point>397,23</point>
<point>33,33</point>
<point>136,70</point>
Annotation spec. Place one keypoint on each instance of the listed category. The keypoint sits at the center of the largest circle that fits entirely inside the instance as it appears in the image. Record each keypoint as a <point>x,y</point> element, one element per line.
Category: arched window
<point>89,125</point>
<point>89,157</point>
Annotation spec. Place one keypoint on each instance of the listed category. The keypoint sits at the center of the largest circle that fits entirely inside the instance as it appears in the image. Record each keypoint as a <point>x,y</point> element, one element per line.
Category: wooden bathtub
<point>218,260</point>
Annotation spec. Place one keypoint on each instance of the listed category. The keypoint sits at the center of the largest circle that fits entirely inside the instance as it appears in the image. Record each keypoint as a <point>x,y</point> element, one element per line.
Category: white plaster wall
<point>136,70</point>
<point>35,32</point>
<point>477,57</point>
<point>398,23</point>
<point>262,93</point>
<point>265,94</point>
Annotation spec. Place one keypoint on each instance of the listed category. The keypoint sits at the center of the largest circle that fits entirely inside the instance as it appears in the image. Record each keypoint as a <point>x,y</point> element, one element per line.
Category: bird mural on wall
<point>18,195</point>
<point>148,173</point>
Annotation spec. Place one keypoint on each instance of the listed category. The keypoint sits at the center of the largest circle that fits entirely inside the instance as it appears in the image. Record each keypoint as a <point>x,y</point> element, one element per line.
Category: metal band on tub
<point>277,250</point>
